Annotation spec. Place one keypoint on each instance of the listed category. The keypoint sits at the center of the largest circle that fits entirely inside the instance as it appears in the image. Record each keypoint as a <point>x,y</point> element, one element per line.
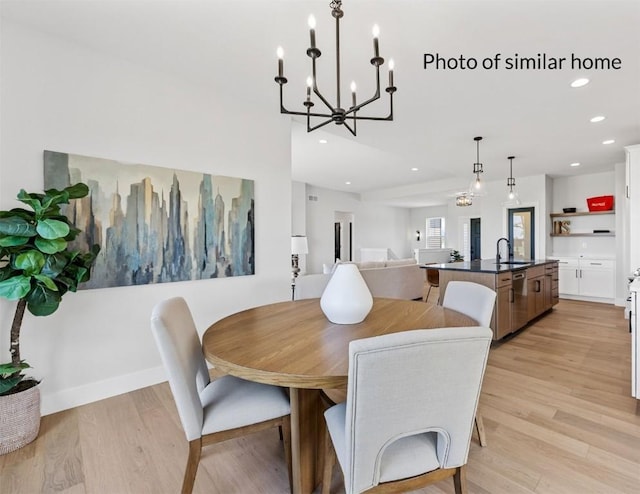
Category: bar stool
<point>433,278</point>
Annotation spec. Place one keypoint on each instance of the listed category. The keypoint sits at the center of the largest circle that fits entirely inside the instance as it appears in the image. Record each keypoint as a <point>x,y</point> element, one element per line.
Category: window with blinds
<point>435,233</point>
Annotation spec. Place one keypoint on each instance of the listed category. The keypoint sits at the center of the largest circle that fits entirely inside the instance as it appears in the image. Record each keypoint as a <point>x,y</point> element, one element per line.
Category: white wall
<point>62,97</point>
<point>374,226</point>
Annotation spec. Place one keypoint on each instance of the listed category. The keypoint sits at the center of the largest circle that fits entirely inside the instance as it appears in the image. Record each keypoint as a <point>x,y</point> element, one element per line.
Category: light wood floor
<point>556,405</point>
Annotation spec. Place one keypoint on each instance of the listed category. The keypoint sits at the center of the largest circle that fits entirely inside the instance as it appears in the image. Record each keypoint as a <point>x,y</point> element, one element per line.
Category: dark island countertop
<point>487,265</point>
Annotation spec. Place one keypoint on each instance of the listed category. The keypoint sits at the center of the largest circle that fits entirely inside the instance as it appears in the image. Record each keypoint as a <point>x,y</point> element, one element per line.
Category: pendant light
<point>477,169</point>
<point>511,182</point>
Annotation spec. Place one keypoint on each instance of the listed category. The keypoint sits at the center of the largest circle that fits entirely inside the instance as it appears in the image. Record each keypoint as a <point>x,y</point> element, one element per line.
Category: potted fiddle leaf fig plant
<point>38,265</point>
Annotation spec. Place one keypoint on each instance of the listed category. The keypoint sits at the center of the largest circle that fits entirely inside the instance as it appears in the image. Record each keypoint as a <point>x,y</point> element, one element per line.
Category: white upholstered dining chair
<point>211,411</point>
<point>472,299</point>
<point>408,418</point>
<point>476,301</point>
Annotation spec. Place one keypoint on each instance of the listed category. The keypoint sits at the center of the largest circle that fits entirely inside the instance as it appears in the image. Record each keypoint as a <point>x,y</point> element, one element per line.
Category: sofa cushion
<point>400,262</point>
<point>403,282</point>
<point>371,264</point>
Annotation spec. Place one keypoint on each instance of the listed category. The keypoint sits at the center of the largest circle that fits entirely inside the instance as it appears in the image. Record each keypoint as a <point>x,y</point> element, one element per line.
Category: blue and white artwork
<point>157,225</point>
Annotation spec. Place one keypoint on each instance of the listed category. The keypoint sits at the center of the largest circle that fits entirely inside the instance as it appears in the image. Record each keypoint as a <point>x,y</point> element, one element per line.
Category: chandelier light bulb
<point>312,31</point>
<point>392,64</point>
<point>478,184</point>
<point>309,86</point>
<point>376,48</point>
<point>511,195</point>
<point>353,86</point>
<point>280,53</point>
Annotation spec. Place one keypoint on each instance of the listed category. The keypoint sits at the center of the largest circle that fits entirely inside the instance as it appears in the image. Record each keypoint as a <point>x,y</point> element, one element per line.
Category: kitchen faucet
<point>509,253</point>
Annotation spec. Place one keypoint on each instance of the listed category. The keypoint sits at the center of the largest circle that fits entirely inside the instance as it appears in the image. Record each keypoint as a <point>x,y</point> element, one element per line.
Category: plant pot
<point>19,419</point>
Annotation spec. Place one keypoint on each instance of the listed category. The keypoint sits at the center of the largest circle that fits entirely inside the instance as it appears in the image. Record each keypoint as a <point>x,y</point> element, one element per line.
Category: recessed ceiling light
<point>322,141</point>
<point>599,118</point>
<point>580,82</point>
<point>347,183</point>
<point>574,164</point>
<point>609,141</point>
<point>414,169</point>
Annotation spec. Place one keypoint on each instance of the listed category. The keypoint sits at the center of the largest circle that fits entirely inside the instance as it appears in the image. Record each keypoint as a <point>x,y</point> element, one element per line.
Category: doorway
<point>343,236</point>
<point>475,241</point>
<point>522,232</point>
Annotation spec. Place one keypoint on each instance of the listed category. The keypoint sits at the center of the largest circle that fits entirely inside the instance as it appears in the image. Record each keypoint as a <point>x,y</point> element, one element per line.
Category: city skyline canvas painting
<point>157,225</point>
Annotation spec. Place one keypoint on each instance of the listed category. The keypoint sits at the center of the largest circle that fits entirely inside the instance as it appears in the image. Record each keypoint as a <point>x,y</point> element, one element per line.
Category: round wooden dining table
<point>293,344</point>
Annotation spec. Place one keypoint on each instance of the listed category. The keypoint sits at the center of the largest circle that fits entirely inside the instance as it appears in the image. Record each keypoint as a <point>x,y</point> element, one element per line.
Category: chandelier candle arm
<point>336,114</point>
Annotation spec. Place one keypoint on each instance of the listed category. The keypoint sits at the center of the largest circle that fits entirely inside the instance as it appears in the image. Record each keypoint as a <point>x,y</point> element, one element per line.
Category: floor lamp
<point>298,246</point>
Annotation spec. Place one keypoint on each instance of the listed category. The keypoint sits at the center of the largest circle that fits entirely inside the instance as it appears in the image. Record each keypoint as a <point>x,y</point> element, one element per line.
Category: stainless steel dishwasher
<point>519,313</point>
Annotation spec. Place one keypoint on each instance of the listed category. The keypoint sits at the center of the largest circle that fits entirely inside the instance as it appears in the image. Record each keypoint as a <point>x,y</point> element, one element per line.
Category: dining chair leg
<point>460,480</point>
<point>428,292</point>
<point>195,449</point>
<point>482,439</point>
<point>329,462</point>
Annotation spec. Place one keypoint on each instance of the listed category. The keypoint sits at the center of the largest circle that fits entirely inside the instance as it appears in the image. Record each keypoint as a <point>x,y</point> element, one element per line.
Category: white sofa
<point>397,278</point>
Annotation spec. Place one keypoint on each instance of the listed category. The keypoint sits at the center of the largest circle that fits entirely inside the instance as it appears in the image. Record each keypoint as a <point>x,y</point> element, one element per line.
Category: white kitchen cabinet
<point>633,195</point>
<point>635,340</point>
<point>588,278</point>
<point>568,281</point>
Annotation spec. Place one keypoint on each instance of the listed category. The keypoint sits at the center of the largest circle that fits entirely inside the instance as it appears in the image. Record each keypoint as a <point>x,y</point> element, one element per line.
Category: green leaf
<point>32,200</point>
<point>8,368</point>
<point>16,226</point>
<point>77,191</point>
<point>51,246</point>
<point>46,281</point>
<point>13,241</point>
<point>53,197</point>
<point>52,229</point>
<point>7,384</point>
<point>30,262</point>
<point>15,288</point>
<point>42,301</point>
<point>54,265</point>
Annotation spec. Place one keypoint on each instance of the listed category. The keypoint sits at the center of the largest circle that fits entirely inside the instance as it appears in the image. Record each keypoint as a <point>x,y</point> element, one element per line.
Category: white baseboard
<point>88,393</point>
<point>588,299</point>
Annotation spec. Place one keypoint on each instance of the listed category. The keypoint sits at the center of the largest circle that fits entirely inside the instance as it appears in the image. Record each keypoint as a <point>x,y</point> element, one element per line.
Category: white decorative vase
<point>346,299</point>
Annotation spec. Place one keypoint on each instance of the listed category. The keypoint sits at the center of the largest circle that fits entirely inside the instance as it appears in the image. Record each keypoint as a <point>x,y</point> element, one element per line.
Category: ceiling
<point>532,114</point>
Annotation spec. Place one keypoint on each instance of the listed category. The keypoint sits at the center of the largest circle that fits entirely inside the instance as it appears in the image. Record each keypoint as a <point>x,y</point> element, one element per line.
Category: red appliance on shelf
<point>600,203</point>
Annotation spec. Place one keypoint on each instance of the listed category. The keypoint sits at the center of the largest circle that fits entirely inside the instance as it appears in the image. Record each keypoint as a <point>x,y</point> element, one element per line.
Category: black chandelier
<point>347,117</point>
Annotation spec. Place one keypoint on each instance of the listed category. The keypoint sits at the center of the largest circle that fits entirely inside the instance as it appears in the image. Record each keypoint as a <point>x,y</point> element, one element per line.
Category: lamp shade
<point>299,245</point>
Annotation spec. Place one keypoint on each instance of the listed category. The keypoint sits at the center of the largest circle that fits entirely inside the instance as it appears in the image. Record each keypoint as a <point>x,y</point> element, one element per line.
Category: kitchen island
<point>524,289</point>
